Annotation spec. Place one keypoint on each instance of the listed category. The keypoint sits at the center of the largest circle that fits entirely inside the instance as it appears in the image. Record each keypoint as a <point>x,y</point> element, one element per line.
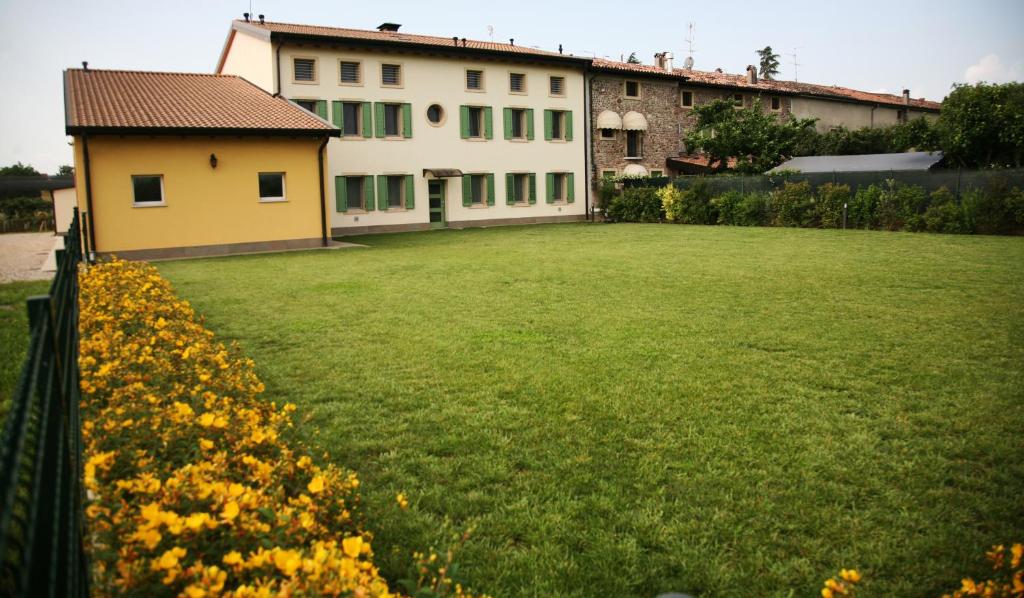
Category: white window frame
<point>564,187</point>
<point>284,188</point>
<point>401,192</point>
<point>483,190</point>
<point>526,188</point>
<point>316,71</point>
<point>149,204</point>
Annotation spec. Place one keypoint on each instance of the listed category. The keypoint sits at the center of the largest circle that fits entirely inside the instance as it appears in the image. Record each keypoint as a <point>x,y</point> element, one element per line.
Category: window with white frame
<point>304,70</point>
<point>271,186</point>
<point>395,191</point>
<point>520,188</point>
<point>148,189</point>
<point>355,192</point>
<point>478,189</point>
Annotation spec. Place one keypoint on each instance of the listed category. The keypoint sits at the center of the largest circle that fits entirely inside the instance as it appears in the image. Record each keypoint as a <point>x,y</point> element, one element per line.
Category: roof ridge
<point>397,33</point>
<point>141,72</point>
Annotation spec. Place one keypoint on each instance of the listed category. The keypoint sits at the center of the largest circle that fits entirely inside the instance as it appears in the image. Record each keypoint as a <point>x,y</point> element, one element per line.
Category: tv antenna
<point>796,65</point>
<point>688,63</point>
<point>490,31</point>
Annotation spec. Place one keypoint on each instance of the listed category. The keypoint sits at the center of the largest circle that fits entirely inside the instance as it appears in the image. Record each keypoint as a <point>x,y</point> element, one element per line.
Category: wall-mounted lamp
<point>213,160</point>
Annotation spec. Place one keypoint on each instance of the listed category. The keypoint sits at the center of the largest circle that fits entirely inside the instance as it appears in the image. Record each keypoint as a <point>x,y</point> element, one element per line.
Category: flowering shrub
<point>191,489</point>
<point>1007,579</point>
<point>846,585</point>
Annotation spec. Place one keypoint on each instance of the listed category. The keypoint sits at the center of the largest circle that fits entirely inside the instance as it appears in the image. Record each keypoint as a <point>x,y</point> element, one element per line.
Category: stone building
<point>640,114</point>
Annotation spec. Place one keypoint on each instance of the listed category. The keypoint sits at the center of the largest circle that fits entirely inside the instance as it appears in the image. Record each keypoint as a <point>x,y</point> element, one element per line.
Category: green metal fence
<point>956,181</point>
<point>41,519</point>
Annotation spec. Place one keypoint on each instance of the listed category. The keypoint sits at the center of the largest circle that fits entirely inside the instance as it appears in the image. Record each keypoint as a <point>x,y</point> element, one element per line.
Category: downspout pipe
<point>88,195</point>
<point>277,67</point>
<point>587,150</point>
<point>323,197</point>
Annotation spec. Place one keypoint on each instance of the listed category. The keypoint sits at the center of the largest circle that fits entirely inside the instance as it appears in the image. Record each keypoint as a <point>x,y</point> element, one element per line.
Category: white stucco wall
<point>64,202</point>
<point>433,79</point>
<point>251,57</point>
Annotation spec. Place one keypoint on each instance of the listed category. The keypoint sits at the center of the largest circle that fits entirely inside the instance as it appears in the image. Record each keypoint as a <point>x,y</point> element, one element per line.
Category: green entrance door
<point>436,192</point>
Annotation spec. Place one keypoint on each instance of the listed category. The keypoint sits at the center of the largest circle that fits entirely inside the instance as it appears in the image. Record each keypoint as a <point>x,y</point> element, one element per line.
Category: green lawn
<point>14,334</point>
<point>632,409</point>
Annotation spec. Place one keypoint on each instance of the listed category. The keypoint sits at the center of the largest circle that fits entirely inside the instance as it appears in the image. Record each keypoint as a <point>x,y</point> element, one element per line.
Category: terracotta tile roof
<point>771,86</point>
<point>399,38</point>
<point>147,101</point>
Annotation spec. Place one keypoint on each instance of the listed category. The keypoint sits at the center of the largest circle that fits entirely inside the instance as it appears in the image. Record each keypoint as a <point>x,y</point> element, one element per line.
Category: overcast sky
<point>870,45</point>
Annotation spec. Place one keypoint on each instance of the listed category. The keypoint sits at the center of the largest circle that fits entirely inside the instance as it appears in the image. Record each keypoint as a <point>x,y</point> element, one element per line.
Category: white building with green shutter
<point>436,131</point>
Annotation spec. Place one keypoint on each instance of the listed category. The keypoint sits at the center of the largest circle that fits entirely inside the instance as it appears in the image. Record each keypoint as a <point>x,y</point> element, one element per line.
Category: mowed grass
<point>14,334</point>
<point>633,409</point>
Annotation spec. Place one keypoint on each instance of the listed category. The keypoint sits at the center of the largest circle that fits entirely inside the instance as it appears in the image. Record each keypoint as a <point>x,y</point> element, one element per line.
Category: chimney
<point>663,60</point>
<point>261,19</point>
<point>751,74</point>
<point>559,48</point>
<point>906,97</point>
<point>511,41</point>
<point>85,65</point>
<point>392,27</point>
<point>246,15</point>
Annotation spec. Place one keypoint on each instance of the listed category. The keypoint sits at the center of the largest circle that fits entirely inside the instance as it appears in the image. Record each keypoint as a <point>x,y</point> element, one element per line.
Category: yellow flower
<point>352,546</point>
<point>850,575</point>
<point>205,444</point>
<point>1017,551</point>
<point>288,561</point>
<point>316,485</point>
<point>169,559</point>
<point>230,511</point>
<point>403,502</point>
<point>233,558</point>
<point>826,593</point>
<point>198,520</point>
<point>149,537</point>
<point>206,420</point>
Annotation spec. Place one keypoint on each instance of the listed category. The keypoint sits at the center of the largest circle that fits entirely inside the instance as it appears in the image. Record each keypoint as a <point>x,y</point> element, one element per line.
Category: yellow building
<point>178,165</point>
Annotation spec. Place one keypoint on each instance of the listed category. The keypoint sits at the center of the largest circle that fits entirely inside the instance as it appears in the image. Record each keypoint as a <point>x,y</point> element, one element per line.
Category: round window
<point>435,114</point>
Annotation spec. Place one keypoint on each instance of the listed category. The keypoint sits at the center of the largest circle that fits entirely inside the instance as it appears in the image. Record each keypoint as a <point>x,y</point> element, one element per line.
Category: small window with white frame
<point>350,72</point>
<point>559,187</point>
<point>395,187</point>
<point>304,70</point>
<point>390,75</point>
<point>520,188</point>
<point>148,190</point>
<point>517,83</point>
<point>474,80</point>
<point>631,89</point>
<point>557,86</point>
<point>271,186</point>
<point>355,191</point>
<point>478,189</point>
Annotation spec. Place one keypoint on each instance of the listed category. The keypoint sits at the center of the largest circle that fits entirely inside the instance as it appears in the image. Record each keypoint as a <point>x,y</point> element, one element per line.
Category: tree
<point>754,137</point>
<point>633,59</point>
<point>769,63</point>
<point>982,125</point>
<point>66,170</point>
<point>19,169</point>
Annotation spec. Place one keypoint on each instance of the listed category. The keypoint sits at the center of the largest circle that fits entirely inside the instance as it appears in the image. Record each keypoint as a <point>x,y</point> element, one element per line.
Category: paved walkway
<point>22,256</point>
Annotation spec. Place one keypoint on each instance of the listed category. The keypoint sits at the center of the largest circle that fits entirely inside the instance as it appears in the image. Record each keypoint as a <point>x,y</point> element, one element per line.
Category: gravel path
<point>22,256</point>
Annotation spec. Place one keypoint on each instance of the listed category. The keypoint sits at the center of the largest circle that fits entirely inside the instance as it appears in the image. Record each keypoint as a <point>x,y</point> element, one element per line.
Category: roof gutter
<point>277,68</point>
<point>202,132</point>
<point>323,197</point>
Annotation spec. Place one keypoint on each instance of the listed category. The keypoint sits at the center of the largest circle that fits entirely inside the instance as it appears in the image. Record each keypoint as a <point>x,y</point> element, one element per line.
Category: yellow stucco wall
<point>204,205</point>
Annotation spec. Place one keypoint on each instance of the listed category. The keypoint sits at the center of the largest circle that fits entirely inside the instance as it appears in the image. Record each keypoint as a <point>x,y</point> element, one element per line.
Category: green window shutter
<point>488,123</point>
<point>510,198</point>
<point>467,190</point>
<point>338,114</point>
<point>410,192</point>
<point>507,117</point>
<point>570,182</point>
<point>378,117</point>
<point>340,194</point>
<point>382,192</point>
<point>533,188</point>
<point>490,189</point>
<point>367,119</point>
<point>549,180</point>
<point>547,125</point>
<point>368,192</point>
<point>321,109</point>
<point>407,120</point>
<point>568,125</point>
<point>464,121</point>
<point>529,124</point>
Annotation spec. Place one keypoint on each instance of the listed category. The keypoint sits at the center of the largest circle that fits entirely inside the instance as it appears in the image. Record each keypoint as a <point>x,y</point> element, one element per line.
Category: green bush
<point>695,205</point>
<point>24,207</point>
<point>863,210</point>
<point>739,209</point>
<point>793,205</point>
<point>944,214</point>
<point>728,207</point>
<point>636,204</point>
<point>901,207</point>
<point>606,194</point>
<point>830,201</point>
